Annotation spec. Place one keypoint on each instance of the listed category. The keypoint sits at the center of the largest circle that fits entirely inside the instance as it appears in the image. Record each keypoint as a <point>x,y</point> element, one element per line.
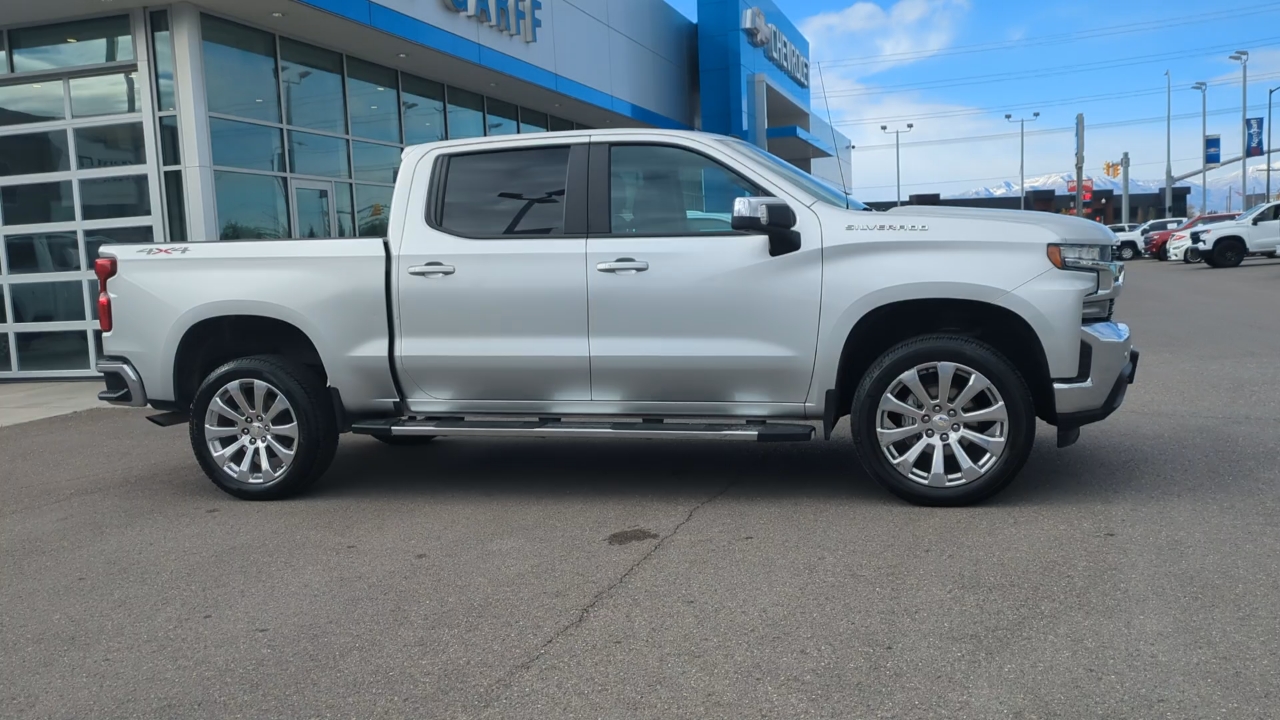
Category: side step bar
<point>551,428</point>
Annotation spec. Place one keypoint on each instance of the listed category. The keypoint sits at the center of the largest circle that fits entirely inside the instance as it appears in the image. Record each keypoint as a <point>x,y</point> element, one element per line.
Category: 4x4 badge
<point>164,251</point>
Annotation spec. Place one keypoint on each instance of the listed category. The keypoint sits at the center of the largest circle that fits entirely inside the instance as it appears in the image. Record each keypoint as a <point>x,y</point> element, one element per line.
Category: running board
<point>550,428</point>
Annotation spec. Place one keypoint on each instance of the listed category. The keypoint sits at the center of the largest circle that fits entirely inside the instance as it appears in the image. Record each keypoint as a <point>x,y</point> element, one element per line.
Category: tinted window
<point>34,153</point>
<point>376,163</point>
<point>47,302</point>
<point>53,350</point>
<point>312,80</point>
<point>245,81</point>
<point>375,109</point>
<point>110,146</point>
<point>250,206</point>
<point>52,252</point>
<point>114,197</point>
<point>510,193</point>
<point>245,145</point>
<point>164,61</point>
<point>373,210</point>
<point>501,119</point>
<point>423,103</point>
<point>311,154</point>
<point>84,42</point>
<point>656,190</point>
<point>31,103</point>
<point>170,145</point>
<point>466,114</point>
<point>37,203</point>
<point>105,95</point>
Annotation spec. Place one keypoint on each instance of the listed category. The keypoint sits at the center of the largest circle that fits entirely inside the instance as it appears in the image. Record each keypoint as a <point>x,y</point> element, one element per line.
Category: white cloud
<point>906,31</point>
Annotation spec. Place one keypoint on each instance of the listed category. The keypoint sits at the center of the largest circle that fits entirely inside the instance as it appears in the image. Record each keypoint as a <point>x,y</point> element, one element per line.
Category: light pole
<point>1022,155</point>
<point>1242,56</point>
<point>897,153</point>
<point>1168,145</point>
<point>1204,132</point>
<point>1267,155</point>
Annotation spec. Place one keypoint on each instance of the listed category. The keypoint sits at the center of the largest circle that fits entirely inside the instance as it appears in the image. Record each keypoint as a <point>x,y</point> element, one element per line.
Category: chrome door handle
<point>623,266</point>
<point>431,270</point>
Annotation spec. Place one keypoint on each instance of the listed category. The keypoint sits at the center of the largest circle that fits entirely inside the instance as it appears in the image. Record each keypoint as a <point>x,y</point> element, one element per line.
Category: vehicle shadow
<point>1093,472</point>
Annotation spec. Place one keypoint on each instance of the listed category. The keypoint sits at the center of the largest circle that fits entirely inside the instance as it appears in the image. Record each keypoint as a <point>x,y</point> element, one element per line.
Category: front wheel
<point>1128,252</point>
<point>1163,253</point>
<point>263,427</point>
<point>1228,253</point>
<point>943,420</point>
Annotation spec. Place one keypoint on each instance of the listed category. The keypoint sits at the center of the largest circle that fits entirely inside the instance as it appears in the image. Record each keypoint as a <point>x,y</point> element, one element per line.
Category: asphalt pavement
<point>1134,575</point>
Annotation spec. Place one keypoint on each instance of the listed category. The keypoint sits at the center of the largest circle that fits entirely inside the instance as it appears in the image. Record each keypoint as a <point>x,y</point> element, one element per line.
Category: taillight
<point>105,269</point>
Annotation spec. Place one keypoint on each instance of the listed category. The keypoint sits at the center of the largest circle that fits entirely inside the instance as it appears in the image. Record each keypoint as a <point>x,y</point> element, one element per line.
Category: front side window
<point>510,193</point>
<point>659,190</point>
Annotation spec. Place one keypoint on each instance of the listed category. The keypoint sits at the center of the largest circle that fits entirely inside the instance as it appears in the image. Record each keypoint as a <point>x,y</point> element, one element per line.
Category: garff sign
<point>513,17</point>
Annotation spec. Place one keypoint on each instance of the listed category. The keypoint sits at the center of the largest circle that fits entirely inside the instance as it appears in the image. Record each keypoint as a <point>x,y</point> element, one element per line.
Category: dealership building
<point>122,121</point>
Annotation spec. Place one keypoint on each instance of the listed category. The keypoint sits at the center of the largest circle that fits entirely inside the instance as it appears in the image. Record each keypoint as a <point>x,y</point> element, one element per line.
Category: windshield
<point>821,189</point>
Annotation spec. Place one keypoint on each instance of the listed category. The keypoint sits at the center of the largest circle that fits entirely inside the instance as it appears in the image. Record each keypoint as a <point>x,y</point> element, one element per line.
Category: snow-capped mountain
<point>1221,184</point>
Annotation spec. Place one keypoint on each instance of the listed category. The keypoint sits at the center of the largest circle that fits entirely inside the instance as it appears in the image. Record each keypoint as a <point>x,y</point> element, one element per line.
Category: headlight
<point>1079,257</point>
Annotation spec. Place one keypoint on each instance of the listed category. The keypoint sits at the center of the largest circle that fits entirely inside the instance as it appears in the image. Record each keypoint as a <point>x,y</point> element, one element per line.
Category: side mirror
<point>1256,219</point>
<point>769,216</point>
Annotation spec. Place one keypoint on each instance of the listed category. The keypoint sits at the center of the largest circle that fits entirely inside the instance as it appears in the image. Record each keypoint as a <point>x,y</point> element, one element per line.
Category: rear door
<point>492,295</point>
<point>682,307</point>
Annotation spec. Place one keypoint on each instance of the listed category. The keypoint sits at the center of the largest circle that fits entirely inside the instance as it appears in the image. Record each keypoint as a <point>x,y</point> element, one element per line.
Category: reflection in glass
<point>250,206</point>
<point>83,42</point>
<point>376,163</point>
<point>512,192</point>
<point>50,252</point>
<point>346,210</point>
<point>312,81</point>
<point>373,209</point>
<point>5,365</point>
<point>37,203</point>
<point>53,350</point>
<point>114,197</point>
<point>163,44</point>
<point>31,103</point>
<point>466,114</point>
<point>245,145</point>
<point>4,318</point>
<point>110,146</point>
<point>245,82</point>
<point>174,206</point>
<point>318,155</point>
<point>375,107</point>
<point>4,64</point>
<point>105,95</point>
<point>34,153</point>
<point>423,103</point>
<point>95,239</point>
<point>47,302</point>
<point>532,121</point>
<point>313,206</point>
<point>559,124</point>
<point>501,119</point>
<point>170,145</point>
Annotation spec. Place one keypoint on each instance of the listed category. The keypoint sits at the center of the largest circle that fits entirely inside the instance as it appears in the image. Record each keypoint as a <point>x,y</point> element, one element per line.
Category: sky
<point>954,68</point>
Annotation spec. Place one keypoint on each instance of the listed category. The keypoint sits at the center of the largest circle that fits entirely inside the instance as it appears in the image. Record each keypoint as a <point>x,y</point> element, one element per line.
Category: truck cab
<point>1227,244</point>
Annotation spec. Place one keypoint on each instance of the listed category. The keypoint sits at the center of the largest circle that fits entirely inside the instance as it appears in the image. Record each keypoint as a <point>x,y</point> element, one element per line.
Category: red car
<point>1156,241</point>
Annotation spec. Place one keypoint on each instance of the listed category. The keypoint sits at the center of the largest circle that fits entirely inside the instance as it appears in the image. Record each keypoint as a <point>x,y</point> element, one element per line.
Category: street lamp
<point>1204,130</point>
<point>1242,56</point>
<point>1022,155</point>
<point>1267,155</point>
<point>1168,145</point>
<point>897,153</point>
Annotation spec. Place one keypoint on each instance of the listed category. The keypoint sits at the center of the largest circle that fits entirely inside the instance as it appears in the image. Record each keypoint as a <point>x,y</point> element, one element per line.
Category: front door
<point>490,283</point>
<point>315,209</point>
<point>682,307</point>
<point>1265,236</point>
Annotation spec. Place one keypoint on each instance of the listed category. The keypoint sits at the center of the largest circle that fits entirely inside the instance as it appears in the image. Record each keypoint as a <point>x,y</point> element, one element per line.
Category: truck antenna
<point>844,186</point>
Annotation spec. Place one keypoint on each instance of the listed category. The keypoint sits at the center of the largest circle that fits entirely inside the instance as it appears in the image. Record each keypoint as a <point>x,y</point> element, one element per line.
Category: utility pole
<point>897,153</point>
<point>1022,155</point>
<point>1267,155</point>
<point>1168,145</point>
<point>1204,134</point>
<point>1080,165</point>
<point>1124,181</point>
<point>1243,57</point>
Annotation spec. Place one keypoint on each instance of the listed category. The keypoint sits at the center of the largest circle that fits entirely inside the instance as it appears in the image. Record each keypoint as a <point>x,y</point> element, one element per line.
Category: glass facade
<point>77,168</point>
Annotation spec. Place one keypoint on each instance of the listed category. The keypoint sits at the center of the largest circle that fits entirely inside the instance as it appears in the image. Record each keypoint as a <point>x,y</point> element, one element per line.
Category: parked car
<point>1156,241</point>
<point>1227,244</point>
<point>942,332</point>
<point>1123,227</point>
<point>1129,245</point>
<point>1180,242</point>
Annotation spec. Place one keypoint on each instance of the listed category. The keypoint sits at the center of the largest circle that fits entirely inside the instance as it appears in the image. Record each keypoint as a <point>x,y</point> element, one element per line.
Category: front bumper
<point>124,384</point>
<point>1100,389</point>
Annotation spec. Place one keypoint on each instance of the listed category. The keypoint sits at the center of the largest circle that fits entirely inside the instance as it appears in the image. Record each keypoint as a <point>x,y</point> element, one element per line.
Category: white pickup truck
<point>1227,244</point>
<point>627,284</point>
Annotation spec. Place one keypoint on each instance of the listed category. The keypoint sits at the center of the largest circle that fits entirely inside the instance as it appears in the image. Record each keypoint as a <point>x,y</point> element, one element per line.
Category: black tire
<point>1128,252</point>
<point>312,411</point>
<point>1228,253</point>
<point>1207,259</point>
<point>1163,253</point>
<point>1021,423</point>
<point>1191,255</point>
<point>404,440</point>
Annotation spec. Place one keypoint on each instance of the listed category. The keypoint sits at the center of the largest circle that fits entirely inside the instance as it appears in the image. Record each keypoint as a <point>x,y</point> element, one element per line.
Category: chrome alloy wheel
<point>942,424</point>
<point>251,431</point>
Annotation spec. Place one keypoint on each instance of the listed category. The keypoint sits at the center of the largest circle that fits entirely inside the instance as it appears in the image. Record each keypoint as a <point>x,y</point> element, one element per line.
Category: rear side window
<point>509,193</point>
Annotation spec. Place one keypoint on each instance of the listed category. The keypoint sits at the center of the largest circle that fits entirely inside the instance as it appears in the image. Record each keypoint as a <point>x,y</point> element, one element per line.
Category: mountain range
<point>1221,185</point>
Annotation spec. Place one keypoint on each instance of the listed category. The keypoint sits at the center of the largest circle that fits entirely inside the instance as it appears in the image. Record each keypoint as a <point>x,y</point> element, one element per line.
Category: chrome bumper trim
<point>1111,344</point>
<point>134,394</point>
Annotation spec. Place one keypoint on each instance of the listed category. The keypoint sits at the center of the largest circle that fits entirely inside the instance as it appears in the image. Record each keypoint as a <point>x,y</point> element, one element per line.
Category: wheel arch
<point>215,340</point>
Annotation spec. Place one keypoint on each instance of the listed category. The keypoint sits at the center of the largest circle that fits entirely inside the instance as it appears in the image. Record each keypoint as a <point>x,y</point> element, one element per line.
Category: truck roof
<point>597,132</point>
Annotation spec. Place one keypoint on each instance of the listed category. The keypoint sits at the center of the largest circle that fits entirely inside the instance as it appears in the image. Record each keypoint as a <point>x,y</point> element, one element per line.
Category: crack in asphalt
<point>585,612</point>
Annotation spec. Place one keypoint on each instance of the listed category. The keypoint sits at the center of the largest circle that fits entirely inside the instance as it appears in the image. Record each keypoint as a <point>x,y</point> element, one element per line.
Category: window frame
<point>577,197</point>
<point>600,213</point>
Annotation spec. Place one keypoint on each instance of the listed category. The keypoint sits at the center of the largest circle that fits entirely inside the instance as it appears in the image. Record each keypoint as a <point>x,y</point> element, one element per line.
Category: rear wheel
<point>943,420</point>
<point>1228,253</point>
<point>263,427</point>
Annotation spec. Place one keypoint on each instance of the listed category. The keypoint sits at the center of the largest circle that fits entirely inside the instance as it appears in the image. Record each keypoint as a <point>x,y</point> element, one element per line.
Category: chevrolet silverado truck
<point>1227,244</point>
<point>627,284</point>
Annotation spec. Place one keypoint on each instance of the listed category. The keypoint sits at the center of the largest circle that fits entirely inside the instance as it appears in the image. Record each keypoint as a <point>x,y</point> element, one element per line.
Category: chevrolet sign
<point>513,17</point>
<point>780,50</point>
